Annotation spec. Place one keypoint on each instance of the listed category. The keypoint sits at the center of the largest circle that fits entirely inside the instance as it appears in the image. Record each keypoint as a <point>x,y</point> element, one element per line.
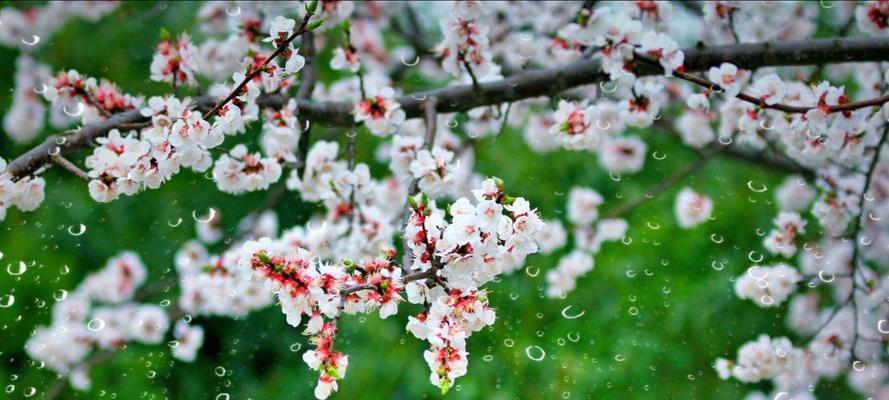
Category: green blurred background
<point>656,311</point>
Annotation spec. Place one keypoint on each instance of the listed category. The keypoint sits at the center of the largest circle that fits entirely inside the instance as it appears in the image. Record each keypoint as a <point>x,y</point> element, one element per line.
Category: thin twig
<point>475,85</point>
<point>70,167</point>
<point>237,91</point>
<point>856,248</point>
<point>414,188</point>
<point>668,182</point>
<point>713,87</point>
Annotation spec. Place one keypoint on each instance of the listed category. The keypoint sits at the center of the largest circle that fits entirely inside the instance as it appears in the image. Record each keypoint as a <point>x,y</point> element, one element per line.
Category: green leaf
<point>315,24</point>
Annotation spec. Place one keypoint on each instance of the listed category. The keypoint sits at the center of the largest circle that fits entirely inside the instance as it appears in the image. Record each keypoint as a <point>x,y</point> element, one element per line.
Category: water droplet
<point>219,371</point>
<point>296,347</point>
<point>78,111</point>
<point>826,280</point>
<point>60,295</point>
<point>412,63</point>
<point>312,228</point>
<point>535,353</point>
<point>79,231</point>
<point>752,256</point>
<point>757,189</point>
<point>578,315</point>
<point>210,214</point>
<point>882,326</point>
<point>21,268</point>
<point>95,325</point>
<point>858,365</point>
<point>752,272</point>
<point>34,40</point>
<point>7,301</point>
<point>233,11</point>
<point>608,89</point>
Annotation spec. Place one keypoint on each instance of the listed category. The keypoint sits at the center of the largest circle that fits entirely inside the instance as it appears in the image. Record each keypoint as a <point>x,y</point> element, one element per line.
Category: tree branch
<point>249,77</point>
<point>713,87</point>
<point>70,167</point>
<point>667,183</point>
<point>544,82</point>
<point>306,87</point>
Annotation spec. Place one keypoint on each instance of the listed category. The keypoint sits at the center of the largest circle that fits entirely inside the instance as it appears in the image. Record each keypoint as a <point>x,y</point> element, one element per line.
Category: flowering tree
<point>244,106</point>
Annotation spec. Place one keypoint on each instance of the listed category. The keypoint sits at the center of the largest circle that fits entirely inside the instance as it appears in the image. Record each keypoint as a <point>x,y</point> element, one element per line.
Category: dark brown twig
<point>70,167</point>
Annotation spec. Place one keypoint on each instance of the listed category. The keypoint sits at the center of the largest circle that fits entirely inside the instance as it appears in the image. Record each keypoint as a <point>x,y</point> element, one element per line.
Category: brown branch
<point>475,85</point>
<point>70,167</point>
<point>668,182</point>
<point>310,69</point>
<point>774,161</point>
<point>856,226</point>
<point>414,188</point>
<point>306,87</point>
<point>431,122</point>
<point>414,276</point>
<point>249,77</point>
<point>544,82</point>
<point>713,87</point>
<point>856,249</point>
<point>429,139</point>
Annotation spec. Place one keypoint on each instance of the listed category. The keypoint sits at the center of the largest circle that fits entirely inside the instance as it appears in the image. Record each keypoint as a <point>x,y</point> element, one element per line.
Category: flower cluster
<point>380,111</point>
<point>26,193</point>
<point>581,126</point>
<point>307,287</point>
<point>692,208</point>
<point>175,61</point>
<point>452,317</point>
<point>472,243</point>
<point>782,239</point>
<point>765,358</point>
<point>213,284</point>
<point>434,171</point>
<point>25,117</point>
<point>465,44</point>
<point>239,171</point>
<point>330,364</point>
<point>177,137</point>
<point>32,25</point>
<point>767,286</point>
<point>84,97</point>
<point>589,234</point>
<point>99,314</point>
